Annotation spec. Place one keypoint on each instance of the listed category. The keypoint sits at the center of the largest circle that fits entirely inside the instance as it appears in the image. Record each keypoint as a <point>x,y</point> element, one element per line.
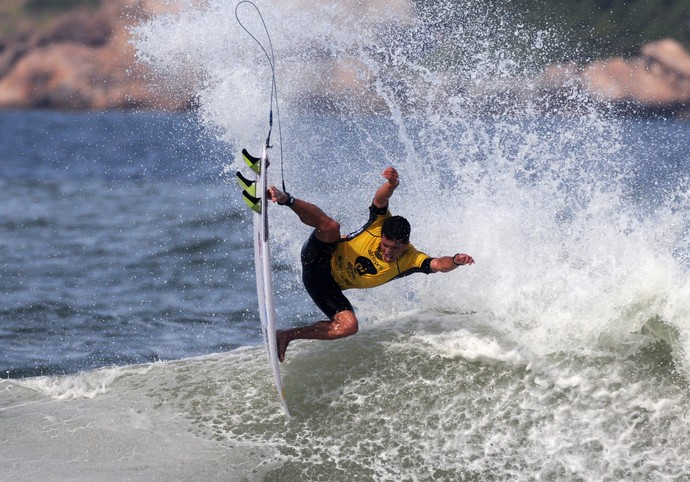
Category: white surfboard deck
<point>264,280</point>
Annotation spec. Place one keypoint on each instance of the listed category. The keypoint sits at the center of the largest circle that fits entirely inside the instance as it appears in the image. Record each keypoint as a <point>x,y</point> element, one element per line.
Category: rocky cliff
<point>656,81</point>
<point>80,59</point>
<point>84,59</point>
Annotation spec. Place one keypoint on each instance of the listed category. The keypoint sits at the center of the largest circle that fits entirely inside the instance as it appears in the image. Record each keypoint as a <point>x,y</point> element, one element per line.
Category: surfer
<point>377,253</point>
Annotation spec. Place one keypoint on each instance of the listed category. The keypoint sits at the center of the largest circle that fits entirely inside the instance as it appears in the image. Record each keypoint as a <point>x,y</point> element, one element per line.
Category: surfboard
<point>254,193</point>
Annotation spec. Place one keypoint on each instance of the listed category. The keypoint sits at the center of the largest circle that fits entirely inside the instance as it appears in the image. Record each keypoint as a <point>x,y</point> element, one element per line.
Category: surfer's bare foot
<point>282,342</point>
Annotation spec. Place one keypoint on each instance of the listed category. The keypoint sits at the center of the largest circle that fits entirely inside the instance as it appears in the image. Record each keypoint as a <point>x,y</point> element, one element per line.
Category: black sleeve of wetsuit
<point>426,266</point>
<point>374,211</point>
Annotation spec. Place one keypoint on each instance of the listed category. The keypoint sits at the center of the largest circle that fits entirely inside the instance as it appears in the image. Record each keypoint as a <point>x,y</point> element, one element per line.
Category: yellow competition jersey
<point>357,261</point>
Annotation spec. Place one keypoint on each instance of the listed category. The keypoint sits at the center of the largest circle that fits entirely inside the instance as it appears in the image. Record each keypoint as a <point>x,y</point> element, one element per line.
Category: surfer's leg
<point>326,228</point>
<point>344,324</point>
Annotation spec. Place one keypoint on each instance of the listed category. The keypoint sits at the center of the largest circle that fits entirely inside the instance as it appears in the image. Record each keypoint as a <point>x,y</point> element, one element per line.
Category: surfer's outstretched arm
<point>327,229</point>
<point>384,193</point>
<point>445,264</point>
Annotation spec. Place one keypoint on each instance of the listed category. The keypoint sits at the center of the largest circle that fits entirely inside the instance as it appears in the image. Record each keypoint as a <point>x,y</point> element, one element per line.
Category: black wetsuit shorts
<point>317,278</point>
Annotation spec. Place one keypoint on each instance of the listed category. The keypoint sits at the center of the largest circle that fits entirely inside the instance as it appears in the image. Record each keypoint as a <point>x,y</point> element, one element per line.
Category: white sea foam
<point>83,385</point>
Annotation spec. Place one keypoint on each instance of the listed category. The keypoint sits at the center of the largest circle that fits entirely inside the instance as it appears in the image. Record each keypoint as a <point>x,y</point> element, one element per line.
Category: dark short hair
<point>396,228</point>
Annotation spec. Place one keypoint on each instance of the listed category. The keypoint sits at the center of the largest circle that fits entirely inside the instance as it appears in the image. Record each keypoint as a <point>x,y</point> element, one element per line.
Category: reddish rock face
<point>656,81</point>
<point>660,77</point>
<point>81,29</point>
<point>83,61</point>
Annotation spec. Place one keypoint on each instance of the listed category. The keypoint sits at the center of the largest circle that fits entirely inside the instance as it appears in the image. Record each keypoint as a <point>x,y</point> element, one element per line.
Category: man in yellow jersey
<point>379,252</point>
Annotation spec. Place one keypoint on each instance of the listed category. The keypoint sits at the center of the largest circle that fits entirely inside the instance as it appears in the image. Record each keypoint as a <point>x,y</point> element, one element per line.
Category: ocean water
<point>130,345</point>
<point>115,225</point>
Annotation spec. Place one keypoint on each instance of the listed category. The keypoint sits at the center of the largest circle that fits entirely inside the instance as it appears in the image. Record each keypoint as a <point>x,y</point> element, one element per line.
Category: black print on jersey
<point>364,266</point>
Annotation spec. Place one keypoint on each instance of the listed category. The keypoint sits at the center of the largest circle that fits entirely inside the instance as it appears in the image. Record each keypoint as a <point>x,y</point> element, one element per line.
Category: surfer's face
<point>391,250</point>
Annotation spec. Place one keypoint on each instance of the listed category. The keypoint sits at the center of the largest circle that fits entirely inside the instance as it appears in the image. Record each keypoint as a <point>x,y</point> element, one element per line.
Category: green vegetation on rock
<point>577,30</point>
<point>58,5</point>
<point>604,28</point>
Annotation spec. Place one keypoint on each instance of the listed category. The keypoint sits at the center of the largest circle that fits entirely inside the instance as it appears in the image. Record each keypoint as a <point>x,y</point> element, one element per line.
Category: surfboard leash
<point>270,57</point>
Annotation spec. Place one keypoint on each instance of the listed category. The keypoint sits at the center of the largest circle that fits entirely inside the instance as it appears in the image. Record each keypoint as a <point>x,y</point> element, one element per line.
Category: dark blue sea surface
<point>119,242</point>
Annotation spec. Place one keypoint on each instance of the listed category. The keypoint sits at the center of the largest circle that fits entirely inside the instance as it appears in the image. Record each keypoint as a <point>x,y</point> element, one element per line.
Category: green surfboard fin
<point>253,162</point>
<point>252,201</point>
<point>248,186</point>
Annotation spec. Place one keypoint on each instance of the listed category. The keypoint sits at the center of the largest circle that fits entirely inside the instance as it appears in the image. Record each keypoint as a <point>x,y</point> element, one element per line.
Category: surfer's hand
<point>462,259</point>
<point>391,175</point>
<point>276,195</point>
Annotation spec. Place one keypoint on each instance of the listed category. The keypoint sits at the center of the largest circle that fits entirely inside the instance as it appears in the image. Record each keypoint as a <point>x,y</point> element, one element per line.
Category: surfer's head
<point>395,235</point>
<point>396,228</point>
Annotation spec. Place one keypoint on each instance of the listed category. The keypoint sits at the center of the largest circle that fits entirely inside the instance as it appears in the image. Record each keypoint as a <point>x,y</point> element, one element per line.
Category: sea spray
<point>548,202</point>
